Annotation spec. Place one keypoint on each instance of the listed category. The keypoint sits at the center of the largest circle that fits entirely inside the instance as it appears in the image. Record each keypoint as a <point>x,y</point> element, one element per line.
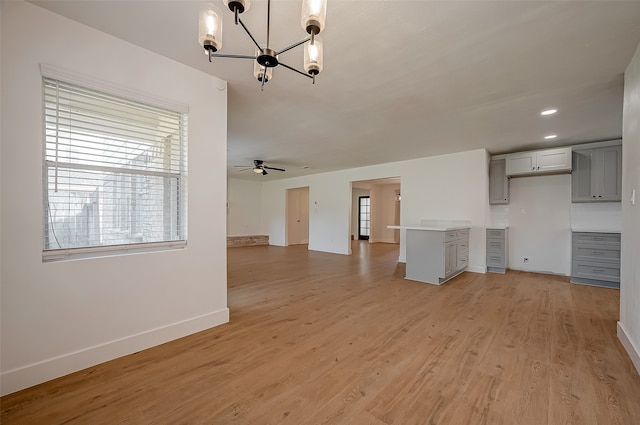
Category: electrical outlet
<point>526,260</point>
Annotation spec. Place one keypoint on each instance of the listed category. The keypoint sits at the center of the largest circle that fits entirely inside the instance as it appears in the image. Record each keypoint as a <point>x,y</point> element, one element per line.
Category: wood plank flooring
<point>317,338</point>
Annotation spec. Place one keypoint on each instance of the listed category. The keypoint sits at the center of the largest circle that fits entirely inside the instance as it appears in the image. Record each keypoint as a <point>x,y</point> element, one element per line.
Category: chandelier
<point>314,13</point>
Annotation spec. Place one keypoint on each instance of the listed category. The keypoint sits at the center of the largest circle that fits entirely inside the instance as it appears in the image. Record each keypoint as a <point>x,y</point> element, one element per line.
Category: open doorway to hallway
<point>375,205</point>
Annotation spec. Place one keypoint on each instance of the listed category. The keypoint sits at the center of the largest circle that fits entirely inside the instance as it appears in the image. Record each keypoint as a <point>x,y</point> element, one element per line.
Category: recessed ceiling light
<point>549,112</point>
<point>551,136</point>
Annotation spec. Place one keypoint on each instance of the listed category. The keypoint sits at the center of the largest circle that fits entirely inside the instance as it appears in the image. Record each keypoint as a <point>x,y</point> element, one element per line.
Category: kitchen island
<point>436,250</point>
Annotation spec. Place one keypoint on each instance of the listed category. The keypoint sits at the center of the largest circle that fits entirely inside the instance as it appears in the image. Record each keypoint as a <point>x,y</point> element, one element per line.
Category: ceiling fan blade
<point>264,172</point>
<point>273,168</point>
<point>244,169</point>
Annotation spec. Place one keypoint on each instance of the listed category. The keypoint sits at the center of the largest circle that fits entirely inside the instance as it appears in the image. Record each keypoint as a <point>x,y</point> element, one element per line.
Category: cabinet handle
<point>533,169</point>
<point>505,199</point>
<point>597,252</point>
<point>597,271</point>
<point>599,196</point>
<point>594,196</point>
<point>538,167</point>
<point>597,239</point>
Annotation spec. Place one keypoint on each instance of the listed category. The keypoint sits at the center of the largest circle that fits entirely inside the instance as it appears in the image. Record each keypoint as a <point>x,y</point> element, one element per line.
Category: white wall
<point>244,209</point>
<point>383,212</point>
<point>629,325</point>
<point>540,224</point>
<point>453,187</point>
<point>64,316</point>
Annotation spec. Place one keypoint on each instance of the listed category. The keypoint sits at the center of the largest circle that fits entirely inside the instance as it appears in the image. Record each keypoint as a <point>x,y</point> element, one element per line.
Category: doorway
<point>364,217</point>
<point>298,216</point>
<point>375,204</point>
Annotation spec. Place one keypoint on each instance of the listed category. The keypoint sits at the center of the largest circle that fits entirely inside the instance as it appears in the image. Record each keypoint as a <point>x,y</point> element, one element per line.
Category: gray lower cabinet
<point>435,256</point>
<point>497,250</point>
<point>595,259</point>
<point>498,182</point>
<point>597,175</point>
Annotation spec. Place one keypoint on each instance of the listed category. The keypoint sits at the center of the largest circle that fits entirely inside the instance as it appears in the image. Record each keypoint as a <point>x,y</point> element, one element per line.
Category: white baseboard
<point>477,269</point>
<point>633,352</point>
<point>37,373</point>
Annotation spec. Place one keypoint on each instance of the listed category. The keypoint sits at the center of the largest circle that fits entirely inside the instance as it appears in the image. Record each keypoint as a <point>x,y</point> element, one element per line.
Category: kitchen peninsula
<point>437,250</point>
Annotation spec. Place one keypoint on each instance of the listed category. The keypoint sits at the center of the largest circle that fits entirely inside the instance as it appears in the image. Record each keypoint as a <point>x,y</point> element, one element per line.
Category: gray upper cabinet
<point>547,161</point>
<point>498,182</point>
<point>597,175</point>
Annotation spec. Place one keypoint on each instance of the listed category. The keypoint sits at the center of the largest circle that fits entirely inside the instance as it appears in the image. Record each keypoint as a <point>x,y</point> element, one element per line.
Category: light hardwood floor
<point>317,338</point>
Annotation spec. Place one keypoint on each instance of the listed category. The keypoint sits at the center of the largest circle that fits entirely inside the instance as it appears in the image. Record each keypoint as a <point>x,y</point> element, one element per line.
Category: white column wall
<point>61,317</point>
<point>629,324</point>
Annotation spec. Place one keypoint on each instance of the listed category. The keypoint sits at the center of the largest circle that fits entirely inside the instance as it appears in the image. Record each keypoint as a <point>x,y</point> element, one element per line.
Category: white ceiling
<point>402,79</point>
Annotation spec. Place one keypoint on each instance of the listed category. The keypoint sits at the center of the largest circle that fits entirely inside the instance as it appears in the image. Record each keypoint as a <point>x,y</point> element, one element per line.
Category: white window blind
<point>114,172</point>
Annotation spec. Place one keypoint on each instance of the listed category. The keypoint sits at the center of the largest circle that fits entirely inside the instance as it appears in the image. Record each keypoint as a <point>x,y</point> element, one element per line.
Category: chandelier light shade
<point>313,56</point>
<point>314,13</point>
<point>210,28</point>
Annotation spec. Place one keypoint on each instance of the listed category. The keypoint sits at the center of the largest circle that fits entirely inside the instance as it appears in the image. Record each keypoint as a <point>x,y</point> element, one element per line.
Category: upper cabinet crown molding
<point>548,161</point>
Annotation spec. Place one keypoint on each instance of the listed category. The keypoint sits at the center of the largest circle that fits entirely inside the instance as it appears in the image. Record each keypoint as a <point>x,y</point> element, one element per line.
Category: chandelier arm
<point>249,34</point>
<point>295,70</point>
<point>286,49</point>
<point>223,55</point>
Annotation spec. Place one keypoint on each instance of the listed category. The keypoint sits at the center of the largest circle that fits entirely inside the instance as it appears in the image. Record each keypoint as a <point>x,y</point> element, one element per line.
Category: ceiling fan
<point>259,167</point>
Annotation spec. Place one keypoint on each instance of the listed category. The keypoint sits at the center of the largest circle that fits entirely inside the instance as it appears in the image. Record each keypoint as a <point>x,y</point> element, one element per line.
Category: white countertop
<point>435,225</point>
<point>594,229</point>
<point>497,227</point>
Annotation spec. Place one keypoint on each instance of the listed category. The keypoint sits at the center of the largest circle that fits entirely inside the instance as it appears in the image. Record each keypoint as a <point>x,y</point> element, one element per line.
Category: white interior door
<point>298,216</point>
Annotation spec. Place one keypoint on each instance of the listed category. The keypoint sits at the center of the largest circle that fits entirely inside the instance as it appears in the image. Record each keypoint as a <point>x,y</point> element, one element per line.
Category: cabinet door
<point>450,257</point>
<point>553,160</point>
<point>609,167</point>
<point>581,176</point>
<point>521,163</point>
<point>498,182</point>
<point>597,175</point>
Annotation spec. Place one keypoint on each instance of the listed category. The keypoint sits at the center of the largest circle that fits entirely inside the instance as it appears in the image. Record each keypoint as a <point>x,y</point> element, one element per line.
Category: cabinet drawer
<point>495,245</point>
<point>463,246</point>
<point>495,260</point>
<point>463,233</point>
<point>495,233</point>
<point>599,238</point>
<point>450,235</point>
<point>596,271</point>
<point>463,260</point>
<point>592,252</point>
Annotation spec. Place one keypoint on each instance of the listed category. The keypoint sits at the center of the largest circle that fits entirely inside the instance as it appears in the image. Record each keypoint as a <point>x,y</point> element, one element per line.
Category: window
<point>114,173</point>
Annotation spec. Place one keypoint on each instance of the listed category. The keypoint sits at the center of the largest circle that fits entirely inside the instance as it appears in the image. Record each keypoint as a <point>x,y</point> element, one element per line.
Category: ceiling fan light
<point>240,5</point>
<point>313,57</point>
<point>314,14</point>
<point>258,170</point>
<point>210,29</point>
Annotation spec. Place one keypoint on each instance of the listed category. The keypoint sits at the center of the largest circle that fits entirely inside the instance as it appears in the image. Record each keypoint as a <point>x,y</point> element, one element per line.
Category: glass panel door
<point>364,217</point>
